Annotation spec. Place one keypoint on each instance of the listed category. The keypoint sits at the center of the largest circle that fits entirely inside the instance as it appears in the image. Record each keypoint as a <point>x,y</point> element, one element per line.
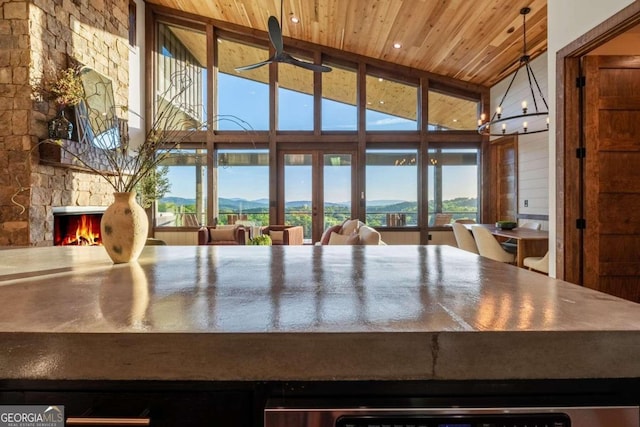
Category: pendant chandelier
<point>533,115</point>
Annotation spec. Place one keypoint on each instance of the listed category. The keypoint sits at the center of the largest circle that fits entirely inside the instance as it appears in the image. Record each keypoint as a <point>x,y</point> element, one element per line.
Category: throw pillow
<point>369,236</point>
<point>327,233</point>
<point>222,234</point>
<point>338,239</point>
<point>349,226</point>
<point>353,239</point>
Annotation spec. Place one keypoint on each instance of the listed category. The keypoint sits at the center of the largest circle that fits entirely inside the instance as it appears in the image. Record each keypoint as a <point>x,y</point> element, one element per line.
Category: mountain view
<point>298,212</point>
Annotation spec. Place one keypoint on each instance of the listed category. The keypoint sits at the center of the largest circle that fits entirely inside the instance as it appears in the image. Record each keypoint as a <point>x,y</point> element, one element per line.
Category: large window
<point>295,97</point>
<point>243,97</point>
<point>243,186</point>
<point>181,81</point>
<point>184,205</point>
<point>339,100</point>
<point>453,183</point>
<point>391,105</point>
<point>392,188</point>
<point>320,171</point>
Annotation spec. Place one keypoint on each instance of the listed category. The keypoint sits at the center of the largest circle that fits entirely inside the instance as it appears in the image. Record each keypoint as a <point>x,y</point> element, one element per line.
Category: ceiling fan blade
<point>285,57</point>
<point>256,65</point>
<point>275,34</point>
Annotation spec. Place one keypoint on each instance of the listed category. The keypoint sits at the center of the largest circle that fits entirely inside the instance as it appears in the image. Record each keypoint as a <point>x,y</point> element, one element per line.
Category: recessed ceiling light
<point>295,19</point>
<point>397,45</point>
<point>379,79</point>
<point>381,102</point>
<point>455,120</point>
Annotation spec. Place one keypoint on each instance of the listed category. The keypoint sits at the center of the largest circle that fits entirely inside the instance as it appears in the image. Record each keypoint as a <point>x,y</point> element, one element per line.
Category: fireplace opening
<point>77,229</point>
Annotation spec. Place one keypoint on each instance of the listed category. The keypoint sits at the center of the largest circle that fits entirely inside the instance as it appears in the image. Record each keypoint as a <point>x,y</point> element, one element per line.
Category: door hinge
<point>581,223</point>
<point>581,152</point>
<point>581,81</point>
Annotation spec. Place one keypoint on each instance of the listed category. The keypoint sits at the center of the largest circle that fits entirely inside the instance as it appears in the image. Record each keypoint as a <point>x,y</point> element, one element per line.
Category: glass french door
<point>317,189</point>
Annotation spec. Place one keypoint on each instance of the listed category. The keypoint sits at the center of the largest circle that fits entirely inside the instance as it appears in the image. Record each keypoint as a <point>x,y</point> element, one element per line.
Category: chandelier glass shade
<point>533,113</point>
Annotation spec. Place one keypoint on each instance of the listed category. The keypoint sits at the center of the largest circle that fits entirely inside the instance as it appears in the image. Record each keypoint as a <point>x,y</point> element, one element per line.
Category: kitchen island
<point>347,314</point>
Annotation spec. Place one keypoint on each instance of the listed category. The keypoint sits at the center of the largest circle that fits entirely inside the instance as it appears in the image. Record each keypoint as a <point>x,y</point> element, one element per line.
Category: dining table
<point>529,242</point>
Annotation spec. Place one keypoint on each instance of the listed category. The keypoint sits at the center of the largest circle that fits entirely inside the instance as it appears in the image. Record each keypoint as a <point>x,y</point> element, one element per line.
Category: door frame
<point>569,138</point>
<point>317,185</point>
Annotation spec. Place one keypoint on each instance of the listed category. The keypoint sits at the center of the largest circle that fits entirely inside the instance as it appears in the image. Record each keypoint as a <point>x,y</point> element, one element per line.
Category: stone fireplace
<point>77,226</point>
<point>37,34</point>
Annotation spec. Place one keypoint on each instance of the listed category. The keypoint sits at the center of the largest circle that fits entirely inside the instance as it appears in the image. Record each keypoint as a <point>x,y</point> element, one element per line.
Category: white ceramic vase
<point>124,228</point>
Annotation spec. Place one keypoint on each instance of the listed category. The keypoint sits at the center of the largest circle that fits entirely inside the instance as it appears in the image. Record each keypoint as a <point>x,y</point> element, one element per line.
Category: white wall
<point>533,149</point>
<point>568,20</point>
<point>137,79</point>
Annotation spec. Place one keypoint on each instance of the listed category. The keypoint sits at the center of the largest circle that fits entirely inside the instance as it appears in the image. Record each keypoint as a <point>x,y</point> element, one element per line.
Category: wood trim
<point>568,130</point>
<point>275,192</point>
<point>361,154</point>
<point>485,193</point>
<point>569,249</point>
<point>317,97</point>
<point>212,110</point>
<point>423,161</point>
<point>486,207</point>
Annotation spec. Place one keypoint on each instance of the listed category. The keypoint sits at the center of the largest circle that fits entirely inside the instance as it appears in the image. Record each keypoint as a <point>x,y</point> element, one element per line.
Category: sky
<point>296,113</point>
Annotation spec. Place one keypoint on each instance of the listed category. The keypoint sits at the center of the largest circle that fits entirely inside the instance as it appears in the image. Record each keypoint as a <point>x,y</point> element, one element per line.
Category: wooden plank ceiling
<point>478,41</point>
<point>474,41</point>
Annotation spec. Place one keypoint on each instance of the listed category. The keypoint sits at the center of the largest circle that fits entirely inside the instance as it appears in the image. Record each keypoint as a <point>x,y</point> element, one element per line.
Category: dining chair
<point>464,239</point>
<point>441,219</point>
<point>510,245</point>
<point>489,247</point>
<point>466,221</point>
<point>537,263</point>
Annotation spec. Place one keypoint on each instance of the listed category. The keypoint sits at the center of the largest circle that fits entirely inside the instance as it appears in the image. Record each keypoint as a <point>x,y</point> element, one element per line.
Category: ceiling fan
<point>275,35</point>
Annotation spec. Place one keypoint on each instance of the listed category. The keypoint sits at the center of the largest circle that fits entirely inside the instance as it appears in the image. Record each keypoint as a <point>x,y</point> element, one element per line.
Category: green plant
<point>153,186</point>
<point>262,240</point>
<point>506,224</point>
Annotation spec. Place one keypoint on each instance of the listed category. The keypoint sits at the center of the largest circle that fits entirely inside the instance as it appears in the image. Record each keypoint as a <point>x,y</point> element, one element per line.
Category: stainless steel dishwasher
<point>609,416</point>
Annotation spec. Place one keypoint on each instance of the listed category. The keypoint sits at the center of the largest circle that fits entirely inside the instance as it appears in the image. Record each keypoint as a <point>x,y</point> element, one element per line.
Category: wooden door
<point>612,175</point>
<point>505,172</point>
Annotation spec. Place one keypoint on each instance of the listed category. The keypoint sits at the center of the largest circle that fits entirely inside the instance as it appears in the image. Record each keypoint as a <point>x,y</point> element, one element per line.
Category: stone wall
<point>35,34</point>
<point>15,112</point>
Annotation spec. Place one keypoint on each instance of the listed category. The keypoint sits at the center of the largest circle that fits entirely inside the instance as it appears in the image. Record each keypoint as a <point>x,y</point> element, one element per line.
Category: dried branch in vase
<point>174,122</point>
<point>176,119</point>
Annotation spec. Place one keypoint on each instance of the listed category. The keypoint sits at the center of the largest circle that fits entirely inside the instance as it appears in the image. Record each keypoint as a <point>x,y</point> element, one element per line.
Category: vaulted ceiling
<point>477,41</point>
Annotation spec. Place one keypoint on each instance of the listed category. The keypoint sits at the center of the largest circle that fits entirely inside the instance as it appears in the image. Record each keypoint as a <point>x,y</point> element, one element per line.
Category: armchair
<point>222,235</point>
<point>285,234</point>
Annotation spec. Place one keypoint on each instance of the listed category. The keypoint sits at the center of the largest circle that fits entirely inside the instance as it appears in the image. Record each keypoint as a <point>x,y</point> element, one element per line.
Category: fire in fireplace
<point>77,229</point>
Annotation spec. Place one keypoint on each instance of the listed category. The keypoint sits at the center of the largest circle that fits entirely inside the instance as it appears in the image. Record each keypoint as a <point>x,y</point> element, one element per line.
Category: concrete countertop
<point>303,313</point>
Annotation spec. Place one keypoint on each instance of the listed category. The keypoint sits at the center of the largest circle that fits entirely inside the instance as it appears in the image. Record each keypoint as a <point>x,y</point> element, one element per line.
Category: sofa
<point>224,235</point>
<point>351,232</point>
<point>284,234</point>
